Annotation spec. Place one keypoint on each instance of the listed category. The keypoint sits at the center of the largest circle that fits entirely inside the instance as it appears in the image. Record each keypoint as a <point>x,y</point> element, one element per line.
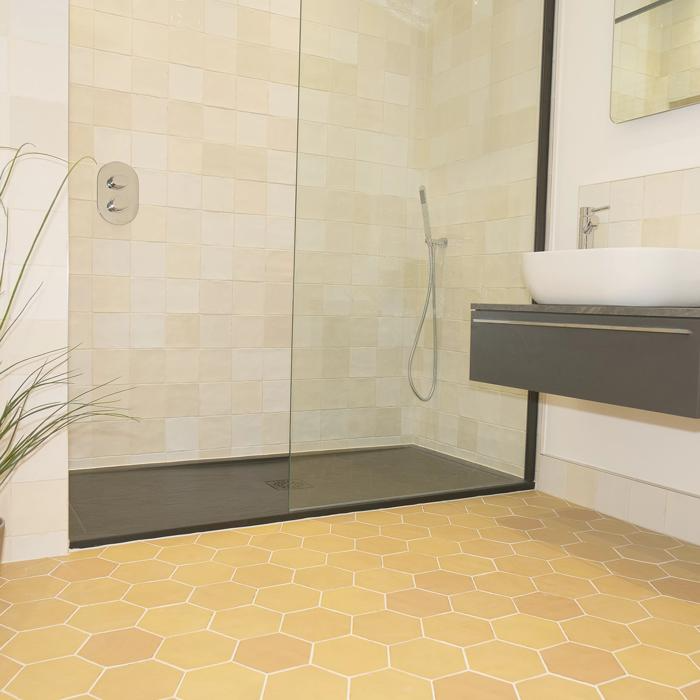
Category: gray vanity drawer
<point>636,361</point>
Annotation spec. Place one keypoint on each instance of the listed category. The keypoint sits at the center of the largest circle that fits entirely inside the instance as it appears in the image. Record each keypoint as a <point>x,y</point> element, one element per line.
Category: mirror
<point>656,57</point>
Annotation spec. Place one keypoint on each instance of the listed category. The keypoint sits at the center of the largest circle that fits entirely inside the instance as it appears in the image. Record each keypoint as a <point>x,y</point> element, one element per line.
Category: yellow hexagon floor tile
<point>288,597</point>
<point>242,556</point>
<point>353,600</point>
<point>505,584</point>
<point>417,602</point>
<point>433,546</point>
<point>329,543</point>
<point>55,679</point>
<point>630,688</point>
<point>26,569</point>
<point>427,658</point>
<point>25,590</point>
<point>99,590</point>
<point>246,621</point>
<point>563,585</point>
<point>467,564</point>
<point>261,575</point>
<point>383,580</point>
<point>473,685</point>
<point>323,578</point>
<point>196,649</point>
<point>548,606</point>
<point>595,632</point>
<point>316,624</point>
<point>659,666</point>
<point>148,680</point>
<point>273,652</point>
<point>528,631</point>
<point>355,561</point>
<point>456,628</point>
<point>673,610</point>
<point>203,573</point>
<point>221,596</point>
<point>350,655</point>
<point>143,571</point>
<point>582,663</point>
<point>171,620</point>
<point>445,582</point>
<point>42,644</point>
<point>186,554</point>
<point>275,541</point>
<point>120,647</point>
<point>131,551</point>
<point>387,627</point>
<point>8,670</point>
<point>612,608</point>
<point>82,569</point>
<point>307,682</point>
<point>390,683</point>
<point>355,529</point>
<point>482,604</point>
<point>222,682</point>
<point>306,528</point>
<point>553,688</point>
<point>155,593</point>
<point>672,636</point>
<point>37,613</point>
<point>297,558</point>
<point>505,661</point>
<point>223,539</point>
<point>580,568</point>
<point>106,616</point>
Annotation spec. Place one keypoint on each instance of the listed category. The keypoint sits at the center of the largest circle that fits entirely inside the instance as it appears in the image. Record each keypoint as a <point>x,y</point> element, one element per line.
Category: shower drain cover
<point>285,484</point>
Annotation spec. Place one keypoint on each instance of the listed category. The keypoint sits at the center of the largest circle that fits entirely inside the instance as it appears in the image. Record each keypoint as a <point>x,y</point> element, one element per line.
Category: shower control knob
<point>112,207</point>
<point>117,193</point>
<point>113,185</point>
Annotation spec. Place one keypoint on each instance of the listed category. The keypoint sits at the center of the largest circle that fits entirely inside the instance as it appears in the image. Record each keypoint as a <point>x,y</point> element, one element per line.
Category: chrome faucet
<point>587,224</point>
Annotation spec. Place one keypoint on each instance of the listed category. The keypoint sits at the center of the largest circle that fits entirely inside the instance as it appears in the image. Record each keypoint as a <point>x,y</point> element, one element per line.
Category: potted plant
<point>26,421</point>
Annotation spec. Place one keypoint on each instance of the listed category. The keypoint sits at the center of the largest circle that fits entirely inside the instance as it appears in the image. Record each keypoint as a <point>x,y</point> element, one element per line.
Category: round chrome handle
<point>113,208</point>
<point>112,185</point>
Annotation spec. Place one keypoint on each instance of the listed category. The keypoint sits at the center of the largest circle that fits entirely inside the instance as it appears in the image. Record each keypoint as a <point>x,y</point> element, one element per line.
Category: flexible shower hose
<point>430,294</point>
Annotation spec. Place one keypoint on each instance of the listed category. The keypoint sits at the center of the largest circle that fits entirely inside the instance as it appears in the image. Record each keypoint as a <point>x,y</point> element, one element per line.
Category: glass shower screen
<point>418,122</point>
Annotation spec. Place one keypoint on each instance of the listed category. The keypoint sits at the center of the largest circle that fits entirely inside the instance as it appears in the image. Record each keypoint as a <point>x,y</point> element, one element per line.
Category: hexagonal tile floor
<point>519,596</point>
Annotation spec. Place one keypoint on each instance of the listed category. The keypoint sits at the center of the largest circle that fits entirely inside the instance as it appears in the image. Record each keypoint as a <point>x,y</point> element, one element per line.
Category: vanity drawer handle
<point>586,326</point>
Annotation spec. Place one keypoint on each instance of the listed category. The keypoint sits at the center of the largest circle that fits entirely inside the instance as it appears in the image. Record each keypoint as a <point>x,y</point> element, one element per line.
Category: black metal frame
<point>540,243</point>
<point>528,481</point>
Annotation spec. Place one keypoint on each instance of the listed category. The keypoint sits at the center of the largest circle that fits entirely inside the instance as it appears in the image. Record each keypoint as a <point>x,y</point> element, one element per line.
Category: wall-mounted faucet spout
<point>587,224</point>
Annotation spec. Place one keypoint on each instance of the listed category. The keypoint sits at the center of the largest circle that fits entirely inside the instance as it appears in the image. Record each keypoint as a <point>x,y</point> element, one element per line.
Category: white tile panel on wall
<point>34,98</point>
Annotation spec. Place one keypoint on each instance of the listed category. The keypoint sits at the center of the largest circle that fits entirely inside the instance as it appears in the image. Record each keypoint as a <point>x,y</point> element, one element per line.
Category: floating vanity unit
<point>639,357</point>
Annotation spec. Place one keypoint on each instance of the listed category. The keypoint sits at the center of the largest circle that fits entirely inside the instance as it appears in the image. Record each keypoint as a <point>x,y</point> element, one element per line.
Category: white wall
<point>34,107</point>
<point>587,148</point>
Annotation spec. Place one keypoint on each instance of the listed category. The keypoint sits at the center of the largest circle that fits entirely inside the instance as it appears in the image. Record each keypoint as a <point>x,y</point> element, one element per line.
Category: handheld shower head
<point>422,194</point>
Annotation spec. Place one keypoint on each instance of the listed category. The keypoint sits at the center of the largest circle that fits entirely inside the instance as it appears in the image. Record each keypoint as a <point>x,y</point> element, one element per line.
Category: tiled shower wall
<point>190,304</point>
<point>482,162</point>
<point>362,115</point>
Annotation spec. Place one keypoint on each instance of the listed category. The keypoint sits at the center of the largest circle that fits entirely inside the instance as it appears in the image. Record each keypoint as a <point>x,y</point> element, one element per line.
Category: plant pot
<point>2,536</point>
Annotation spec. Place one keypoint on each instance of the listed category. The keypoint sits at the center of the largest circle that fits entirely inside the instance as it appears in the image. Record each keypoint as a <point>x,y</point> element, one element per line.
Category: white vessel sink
<point>614,276</point>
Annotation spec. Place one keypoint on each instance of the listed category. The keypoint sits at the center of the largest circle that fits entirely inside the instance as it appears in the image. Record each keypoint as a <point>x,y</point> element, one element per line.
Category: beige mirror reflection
<point>656,57</point>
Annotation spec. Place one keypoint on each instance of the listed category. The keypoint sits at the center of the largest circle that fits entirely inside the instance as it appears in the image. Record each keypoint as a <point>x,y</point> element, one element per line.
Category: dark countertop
<point>654,311</point>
